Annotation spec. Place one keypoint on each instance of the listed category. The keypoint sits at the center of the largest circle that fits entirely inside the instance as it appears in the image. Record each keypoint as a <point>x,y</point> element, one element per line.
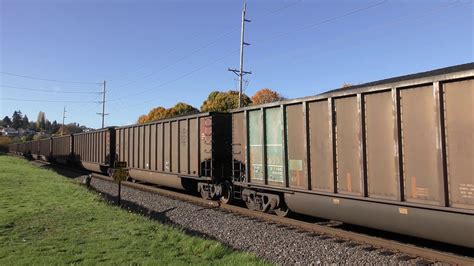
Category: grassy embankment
<point>48,219</point>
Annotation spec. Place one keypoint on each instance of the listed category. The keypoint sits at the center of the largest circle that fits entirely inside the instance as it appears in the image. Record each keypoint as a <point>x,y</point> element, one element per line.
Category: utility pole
<point>240,72</point>
<point>103,114</point>
<point>64,116</point>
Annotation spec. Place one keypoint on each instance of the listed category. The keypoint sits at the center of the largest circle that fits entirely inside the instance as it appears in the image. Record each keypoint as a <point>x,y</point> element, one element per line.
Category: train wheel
<point>250,205</point>
<point>282,210</point>
<point>226,194</point>
<point>204,193</point>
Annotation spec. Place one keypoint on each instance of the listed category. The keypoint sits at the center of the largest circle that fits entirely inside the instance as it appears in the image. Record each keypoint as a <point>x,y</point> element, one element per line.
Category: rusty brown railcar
<point>394,155</point>
<point>61,149</point>
<point>185,152</point>
<point>13,148</point>
<point>95,150</point>
<point>35,149</point>
<point>45,149</point>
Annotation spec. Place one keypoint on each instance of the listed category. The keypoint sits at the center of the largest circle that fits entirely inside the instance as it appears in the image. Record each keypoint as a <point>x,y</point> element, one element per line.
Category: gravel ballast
<point>276,243</point>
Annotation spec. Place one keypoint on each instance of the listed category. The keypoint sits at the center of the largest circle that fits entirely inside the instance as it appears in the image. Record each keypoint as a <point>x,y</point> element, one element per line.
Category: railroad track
<point>381,243</point>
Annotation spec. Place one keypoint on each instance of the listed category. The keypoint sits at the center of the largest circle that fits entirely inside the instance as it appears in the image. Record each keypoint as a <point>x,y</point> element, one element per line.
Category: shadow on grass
<point>154,215</point>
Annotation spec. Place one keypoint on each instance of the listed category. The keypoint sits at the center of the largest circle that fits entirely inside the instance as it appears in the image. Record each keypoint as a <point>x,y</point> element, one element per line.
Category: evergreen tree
<point>6,121</point>
<point>25,122</point>
<point>17,119</point>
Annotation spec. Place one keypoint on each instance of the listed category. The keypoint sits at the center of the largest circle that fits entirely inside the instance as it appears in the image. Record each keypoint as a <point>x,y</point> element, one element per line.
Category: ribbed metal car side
<point>95,150</point>
<point>35,149</point>
<point>178,152</point>
<point>390,155</point>
<point>61,149</point>
<point>45,149</point>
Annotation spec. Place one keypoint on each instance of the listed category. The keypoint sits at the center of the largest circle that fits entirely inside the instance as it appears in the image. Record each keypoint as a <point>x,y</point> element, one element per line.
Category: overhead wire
<point>322,22</point>
<point>45,101</point>
<point>46,79</point>
<point>179,77</point>
<point>45,90</point>
<point>384,25</point>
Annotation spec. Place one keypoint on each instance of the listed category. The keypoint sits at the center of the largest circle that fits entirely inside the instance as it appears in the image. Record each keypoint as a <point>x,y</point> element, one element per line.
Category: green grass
<point>46,218</point>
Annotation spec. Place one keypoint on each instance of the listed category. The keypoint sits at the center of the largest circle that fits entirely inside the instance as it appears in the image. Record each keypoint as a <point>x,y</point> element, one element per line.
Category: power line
<point>44,90</point>
<point>45,79</point>
<point>379,26</point>
<point>43,101</point>
<point>178,78</point>
<point>322,22</point>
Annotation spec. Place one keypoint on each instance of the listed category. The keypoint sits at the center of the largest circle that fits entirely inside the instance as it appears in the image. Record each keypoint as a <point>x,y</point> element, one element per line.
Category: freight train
<point>395,155</point>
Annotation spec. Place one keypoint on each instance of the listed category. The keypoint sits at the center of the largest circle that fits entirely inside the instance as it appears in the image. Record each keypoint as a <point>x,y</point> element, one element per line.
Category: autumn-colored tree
<point>218,101</point>
<point>142,119</point>
<point>266,96</point>
<point>162,113</point>
<point>181,109</point>
<point>156,114</point>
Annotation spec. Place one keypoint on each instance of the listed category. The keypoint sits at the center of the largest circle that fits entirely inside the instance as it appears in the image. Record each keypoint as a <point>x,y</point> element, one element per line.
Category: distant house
<point>10,132</point>
<point>23,132</point>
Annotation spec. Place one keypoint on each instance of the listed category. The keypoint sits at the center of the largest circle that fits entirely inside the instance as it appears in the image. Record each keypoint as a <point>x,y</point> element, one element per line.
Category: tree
<point>47,125</point>
<point>266,96</point>
<point>41,121</point>
<point>181,109</point>
<point>158,113</point>
<point>142,119</point>
<point>224,101</point>
<point>17,119</point>
<point>6,121</point>
<point>54,127</point>
<point>25,122</point>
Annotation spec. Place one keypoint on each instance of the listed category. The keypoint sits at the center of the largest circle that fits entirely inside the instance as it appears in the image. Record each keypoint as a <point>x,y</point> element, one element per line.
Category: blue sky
<point>157,53</point>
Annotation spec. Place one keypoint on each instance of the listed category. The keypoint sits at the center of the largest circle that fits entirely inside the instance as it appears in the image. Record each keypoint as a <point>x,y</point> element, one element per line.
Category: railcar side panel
<point>459,123</point>
<point>274,152</point>
<point>174,147</point>
<point>194,139</point>
<point>322,176</point>
<point>239,145</point>
<point>205,131</point>
<point>380,144</point>
<point>295,146</point>
<point>61,149</point>
<point>183,146</point>
<point>45,149</point>
<point>421,166</point>
<point>95,150</point>
<point>348,135</point>
<point>255,145</point>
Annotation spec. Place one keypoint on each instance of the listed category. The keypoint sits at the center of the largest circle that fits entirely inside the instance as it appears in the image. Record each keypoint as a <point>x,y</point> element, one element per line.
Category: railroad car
<point>35,149</point>
<point>45,149</point>
<point>94,150</point>
<point>395,155</point>
<point>190,152</point>
<point>13,148</point>
<point>61,149</point>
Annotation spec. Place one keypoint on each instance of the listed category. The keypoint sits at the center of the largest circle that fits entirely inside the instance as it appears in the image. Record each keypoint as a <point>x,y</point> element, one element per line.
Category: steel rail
<point>381,243</point>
